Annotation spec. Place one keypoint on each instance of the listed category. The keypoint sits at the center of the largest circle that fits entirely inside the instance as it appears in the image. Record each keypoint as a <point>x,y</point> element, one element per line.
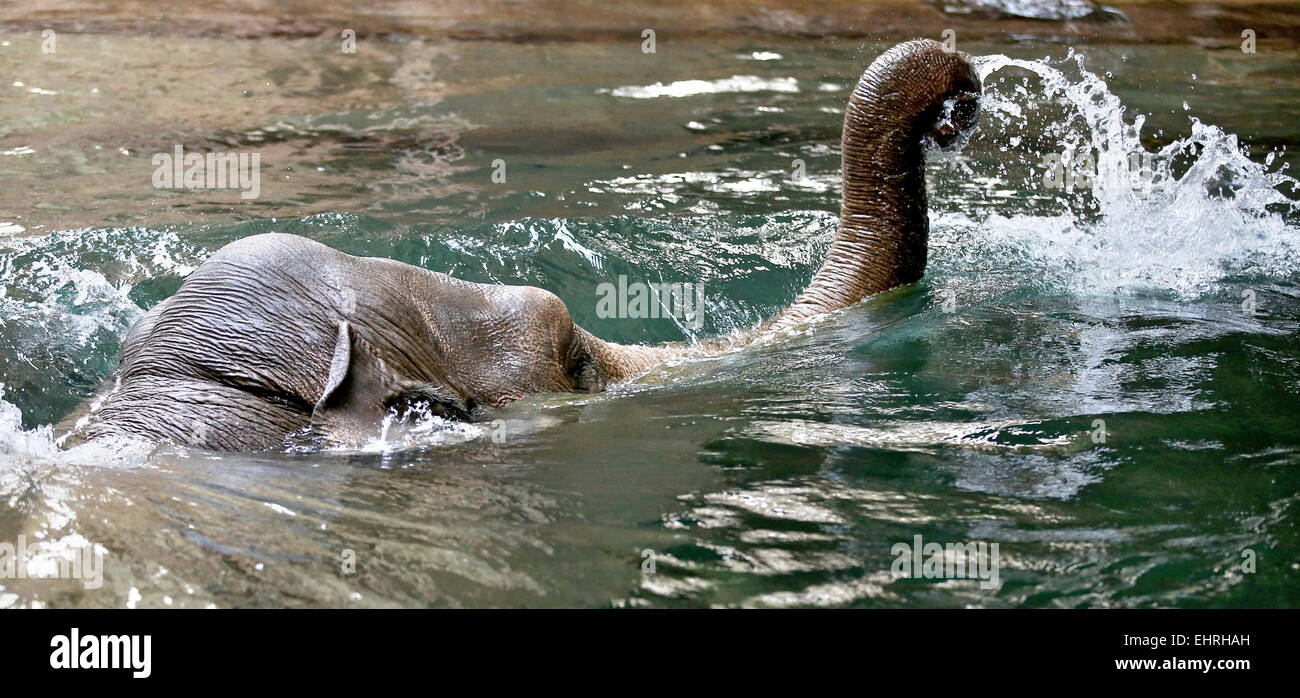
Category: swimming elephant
<point>277,334</point>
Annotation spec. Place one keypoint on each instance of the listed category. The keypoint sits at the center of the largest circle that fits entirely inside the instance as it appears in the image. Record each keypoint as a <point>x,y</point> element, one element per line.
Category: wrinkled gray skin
<point>277,333</point>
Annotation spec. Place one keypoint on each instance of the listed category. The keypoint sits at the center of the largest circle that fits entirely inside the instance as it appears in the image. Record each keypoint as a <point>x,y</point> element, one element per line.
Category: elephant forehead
<point>497,340</point>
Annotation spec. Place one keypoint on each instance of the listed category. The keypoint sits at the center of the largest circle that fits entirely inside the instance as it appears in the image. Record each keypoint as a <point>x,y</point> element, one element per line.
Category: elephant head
<point>277,333</point>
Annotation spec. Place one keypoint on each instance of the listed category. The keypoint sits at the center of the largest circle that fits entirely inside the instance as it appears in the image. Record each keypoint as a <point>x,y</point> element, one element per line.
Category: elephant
<point>275,334</point>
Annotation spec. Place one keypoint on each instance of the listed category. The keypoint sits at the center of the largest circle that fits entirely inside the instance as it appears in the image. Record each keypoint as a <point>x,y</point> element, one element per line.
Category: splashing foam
<point>417,427</point>
<point>53,290</point>
<point>691,88</point>
<point>420,427</point>
<point>1191,214</point>
<point>63,302</point>
<point>19,446</point>
<point>1206,213</point>
<point>20,443</point>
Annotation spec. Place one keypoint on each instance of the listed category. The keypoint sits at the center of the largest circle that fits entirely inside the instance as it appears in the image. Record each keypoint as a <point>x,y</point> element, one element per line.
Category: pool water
<point>1102,378</point>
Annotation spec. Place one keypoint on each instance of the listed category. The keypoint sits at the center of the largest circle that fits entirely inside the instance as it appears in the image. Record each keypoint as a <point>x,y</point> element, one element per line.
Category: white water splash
<point>18,445</point>
<point>64,305</point>
<point>418,428</point>
<point>690,88</point>
<point>69,287</point>
<point>16,442</point>
<point>1203,211</point>
<point>1034,9</point>
<point>920,437</point>
<point>1209,213</point>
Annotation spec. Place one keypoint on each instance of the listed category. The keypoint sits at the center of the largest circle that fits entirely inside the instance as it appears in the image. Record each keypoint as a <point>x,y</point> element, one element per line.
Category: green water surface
<point>1077,384</point>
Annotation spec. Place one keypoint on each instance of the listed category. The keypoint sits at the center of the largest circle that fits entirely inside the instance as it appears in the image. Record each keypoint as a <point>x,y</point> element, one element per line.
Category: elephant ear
<point>353,404</point>
<point>362,388</point>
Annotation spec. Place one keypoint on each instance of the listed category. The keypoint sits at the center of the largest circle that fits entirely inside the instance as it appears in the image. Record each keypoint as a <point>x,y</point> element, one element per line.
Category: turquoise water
<point>962,409</point>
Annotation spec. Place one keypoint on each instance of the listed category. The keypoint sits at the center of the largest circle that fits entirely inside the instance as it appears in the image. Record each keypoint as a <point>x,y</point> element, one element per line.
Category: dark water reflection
<point>778,475</point>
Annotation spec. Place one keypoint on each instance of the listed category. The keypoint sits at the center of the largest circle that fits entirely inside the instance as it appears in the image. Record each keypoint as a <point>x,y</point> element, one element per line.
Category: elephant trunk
<point>914,92</point>
<point>598,362</point>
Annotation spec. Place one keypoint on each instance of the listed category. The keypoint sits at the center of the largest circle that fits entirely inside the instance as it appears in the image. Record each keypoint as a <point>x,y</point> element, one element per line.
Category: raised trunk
<point>913,92</point>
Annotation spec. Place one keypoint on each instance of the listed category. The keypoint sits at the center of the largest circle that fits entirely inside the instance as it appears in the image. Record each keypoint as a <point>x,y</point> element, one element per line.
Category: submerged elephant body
<point>277,333</point>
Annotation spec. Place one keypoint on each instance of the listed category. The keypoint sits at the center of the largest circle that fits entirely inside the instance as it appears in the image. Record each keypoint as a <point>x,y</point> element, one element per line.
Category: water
<point>964,408</point>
